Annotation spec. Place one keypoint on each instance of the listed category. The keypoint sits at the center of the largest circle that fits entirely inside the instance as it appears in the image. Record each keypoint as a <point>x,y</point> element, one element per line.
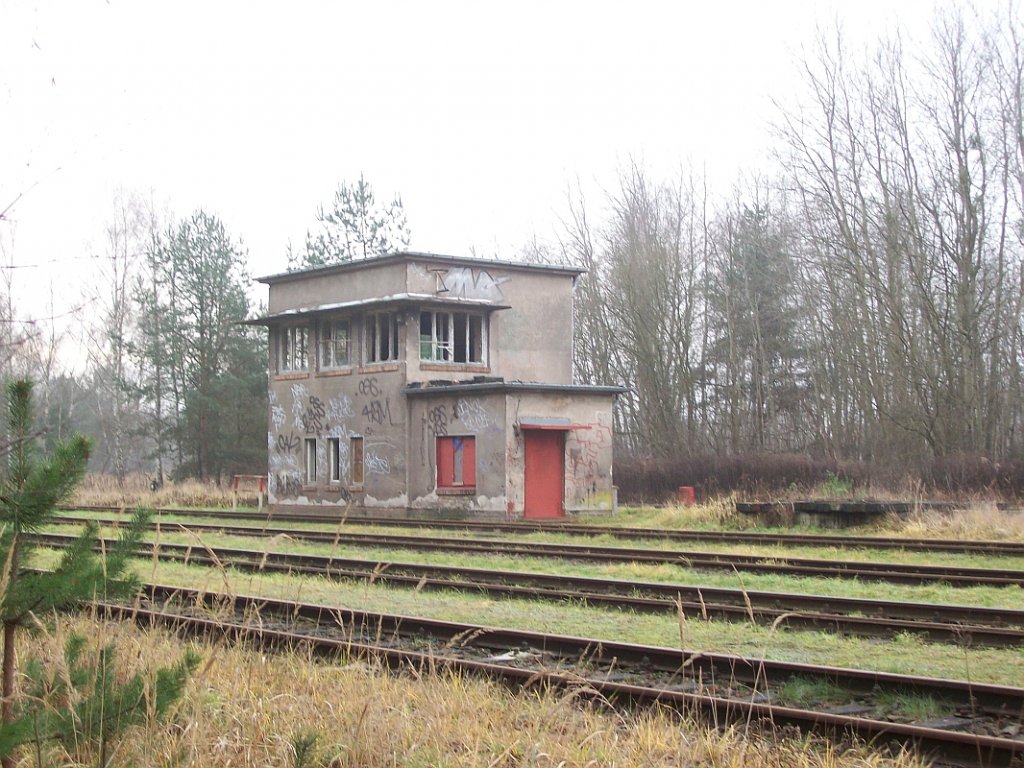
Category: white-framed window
<point>453,337</point>
<point>293,348</point>
<point>381,337</point>
<point>334,349</point>
<point>334,458</point>
<point>309,454</point>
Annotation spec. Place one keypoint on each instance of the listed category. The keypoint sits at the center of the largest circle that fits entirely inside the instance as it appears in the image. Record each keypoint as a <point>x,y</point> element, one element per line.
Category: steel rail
<point>669,677</point>
<point>963,625</point>
<point>793,566</point>
<point>977,546</point>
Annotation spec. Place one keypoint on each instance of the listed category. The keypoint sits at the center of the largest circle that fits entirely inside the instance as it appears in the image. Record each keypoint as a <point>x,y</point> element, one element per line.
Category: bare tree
<point>893,161</point>
<point>114,377</point>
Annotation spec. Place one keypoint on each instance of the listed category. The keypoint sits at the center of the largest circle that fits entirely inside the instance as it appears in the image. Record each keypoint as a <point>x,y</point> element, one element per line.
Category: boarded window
<point>456,462</point>
<point>357,460</point>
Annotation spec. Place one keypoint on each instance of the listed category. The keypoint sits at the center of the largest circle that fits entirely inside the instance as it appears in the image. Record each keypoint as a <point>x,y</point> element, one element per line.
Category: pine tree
<point>355,227</point>
<point>30,490</point>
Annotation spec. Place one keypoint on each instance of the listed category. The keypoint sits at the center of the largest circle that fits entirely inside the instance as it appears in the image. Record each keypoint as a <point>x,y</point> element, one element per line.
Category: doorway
<point>544,478</point>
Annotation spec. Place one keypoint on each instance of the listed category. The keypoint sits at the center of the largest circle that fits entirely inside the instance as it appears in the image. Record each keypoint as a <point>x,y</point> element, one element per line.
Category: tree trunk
<point>8,684</point>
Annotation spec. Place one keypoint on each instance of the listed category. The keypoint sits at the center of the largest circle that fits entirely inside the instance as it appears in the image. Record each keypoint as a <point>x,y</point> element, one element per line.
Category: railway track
<point>964,625</point>
<point>790,566</point>
<point>1009,548</point>
<point>980,725</point>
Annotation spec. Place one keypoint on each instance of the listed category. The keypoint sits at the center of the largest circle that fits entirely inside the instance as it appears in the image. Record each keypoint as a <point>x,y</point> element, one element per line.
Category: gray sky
<point>481,115</point>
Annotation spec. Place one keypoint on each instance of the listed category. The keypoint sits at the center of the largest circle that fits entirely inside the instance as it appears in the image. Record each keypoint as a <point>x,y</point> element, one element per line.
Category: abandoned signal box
<point>419,382</point>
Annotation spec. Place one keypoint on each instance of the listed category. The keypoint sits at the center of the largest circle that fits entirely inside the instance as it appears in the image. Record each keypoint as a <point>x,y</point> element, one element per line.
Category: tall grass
<point>248,708</point>
<point>104,490</point>
<point>980,520</point>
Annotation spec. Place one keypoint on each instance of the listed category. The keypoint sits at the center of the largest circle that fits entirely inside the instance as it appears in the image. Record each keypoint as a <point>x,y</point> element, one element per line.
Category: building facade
<point>417,381</point>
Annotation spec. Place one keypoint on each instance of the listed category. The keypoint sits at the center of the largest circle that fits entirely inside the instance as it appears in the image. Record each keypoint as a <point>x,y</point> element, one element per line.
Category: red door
<point>545,473</point>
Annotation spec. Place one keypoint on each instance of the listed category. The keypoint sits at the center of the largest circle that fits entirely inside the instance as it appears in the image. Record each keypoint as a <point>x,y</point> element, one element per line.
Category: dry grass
<point>246,708</point>
<point>978,521</point>
<point>103,490</point>
<point>718,512</point>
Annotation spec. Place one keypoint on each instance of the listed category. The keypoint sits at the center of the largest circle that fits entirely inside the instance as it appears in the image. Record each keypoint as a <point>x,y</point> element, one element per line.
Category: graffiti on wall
<point>312,419</point>
<point>296,413</point>
<point>288,442</point>
<point>376,463</point>
<point>285,483</point>
<point>277,414</point>
<point>587,448</point>
<point>339,409</point>
<point>437,420</point>
<point>378,412</point>
<point>472,414</point>
<point>368,387</point>
<point>469,283</point>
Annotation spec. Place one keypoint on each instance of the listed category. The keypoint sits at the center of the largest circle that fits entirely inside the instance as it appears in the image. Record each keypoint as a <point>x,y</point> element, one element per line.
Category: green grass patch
<point>805,692</point>
<point>904,654</point>
<point>767,552</point>
<point>994,597</point>
<point>911,706</point>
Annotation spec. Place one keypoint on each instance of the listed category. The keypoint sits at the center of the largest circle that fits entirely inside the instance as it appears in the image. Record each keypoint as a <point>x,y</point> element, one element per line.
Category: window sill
<point>455,367</point>
<point>346,371</point>
<point>291,375</point>
<point>379,367</point>
<point>465,490</point>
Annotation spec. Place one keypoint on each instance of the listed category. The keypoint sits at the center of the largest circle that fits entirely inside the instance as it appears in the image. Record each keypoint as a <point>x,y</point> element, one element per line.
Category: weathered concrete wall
<point>530,341</point>
<point>588,452</point>
<point>481,416</point>
<point>370,282</point>
<point>365,402</point>
<point>533,339</point>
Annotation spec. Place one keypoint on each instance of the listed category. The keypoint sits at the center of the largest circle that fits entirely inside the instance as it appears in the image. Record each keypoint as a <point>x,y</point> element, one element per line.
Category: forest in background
<point>857,312</point>
<point>860,312</point>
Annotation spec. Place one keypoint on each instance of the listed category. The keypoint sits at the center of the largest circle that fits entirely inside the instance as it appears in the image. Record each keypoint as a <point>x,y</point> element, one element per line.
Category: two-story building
<point>415,381</point>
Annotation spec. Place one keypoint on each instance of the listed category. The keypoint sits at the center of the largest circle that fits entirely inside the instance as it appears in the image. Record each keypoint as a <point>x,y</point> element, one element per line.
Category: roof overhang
<point>394,301</point>
<point>491,387</point>
<point>549,423</point>
<point>420,256</point>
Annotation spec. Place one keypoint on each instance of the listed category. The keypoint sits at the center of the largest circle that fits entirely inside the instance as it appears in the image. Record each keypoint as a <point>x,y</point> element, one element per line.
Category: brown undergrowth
<point>975,520</point>
<point>978,521</point>
<point>250,708</point>
<point>104,490</point>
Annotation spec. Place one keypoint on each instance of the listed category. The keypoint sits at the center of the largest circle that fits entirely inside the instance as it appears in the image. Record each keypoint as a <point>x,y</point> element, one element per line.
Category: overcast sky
<point>481,115</point>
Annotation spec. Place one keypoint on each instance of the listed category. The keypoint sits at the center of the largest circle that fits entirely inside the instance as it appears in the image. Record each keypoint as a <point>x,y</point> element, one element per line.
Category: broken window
<point>381,337</point>
<point>357,460</point>
<point>334,343</point>
<point>453,337</point>
<point>456,462</point>
<point>294,349</point>
<point>310,457</point>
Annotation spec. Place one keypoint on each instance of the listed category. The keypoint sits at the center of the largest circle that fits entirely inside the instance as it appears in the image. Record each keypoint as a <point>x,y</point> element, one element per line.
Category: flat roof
<point>394,300</point>
<point>400,256</point>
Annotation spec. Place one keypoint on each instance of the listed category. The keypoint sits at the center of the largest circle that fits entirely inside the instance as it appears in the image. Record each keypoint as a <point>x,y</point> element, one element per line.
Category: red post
<point>686,497</point>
